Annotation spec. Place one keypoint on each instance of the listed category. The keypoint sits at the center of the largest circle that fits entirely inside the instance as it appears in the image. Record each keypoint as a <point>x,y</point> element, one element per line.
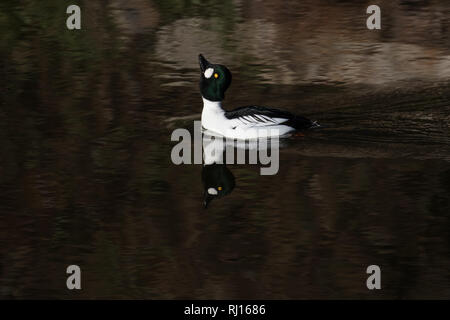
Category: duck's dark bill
<point>207,199</point>
<point>203,62</point>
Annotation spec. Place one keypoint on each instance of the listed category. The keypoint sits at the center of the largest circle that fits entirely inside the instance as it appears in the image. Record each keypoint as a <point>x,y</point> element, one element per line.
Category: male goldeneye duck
<point>245,122</point>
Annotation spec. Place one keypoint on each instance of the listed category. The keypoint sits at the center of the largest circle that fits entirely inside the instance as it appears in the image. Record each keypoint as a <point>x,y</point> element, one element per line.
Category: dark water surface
<point>86,176</point>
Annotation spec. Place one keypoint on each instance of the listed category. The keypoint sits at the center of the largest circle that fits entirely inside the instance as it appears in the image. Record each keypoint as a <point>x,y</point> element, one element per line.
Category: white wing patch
<point>258,120</point>
<point>208,73</point>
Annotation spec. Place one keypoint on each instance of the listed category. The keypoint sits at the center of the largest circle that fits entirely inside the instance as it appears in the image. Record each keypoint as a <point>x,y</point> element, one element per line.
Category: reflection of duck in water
<point>218,181</point>
<point>245,122</point>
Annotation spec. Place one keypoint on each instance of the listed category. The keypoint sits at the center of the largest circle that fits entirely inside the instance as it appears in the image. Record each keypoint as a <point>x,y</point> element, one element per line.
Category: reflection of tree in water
<point>316,52</point>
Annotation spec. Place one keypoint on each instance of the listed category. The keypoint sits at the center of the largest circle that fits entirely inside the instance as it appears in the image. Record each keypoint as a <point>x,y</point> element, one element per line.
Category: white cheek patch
<point>208,73</point>
<point>212,191</point>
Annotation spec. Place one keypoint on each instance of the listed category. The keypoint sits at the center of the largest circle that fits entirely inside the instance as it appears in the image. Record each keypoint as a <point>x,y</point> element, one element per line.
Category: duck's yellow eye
<point>216,75</point>
<point>219,188</point>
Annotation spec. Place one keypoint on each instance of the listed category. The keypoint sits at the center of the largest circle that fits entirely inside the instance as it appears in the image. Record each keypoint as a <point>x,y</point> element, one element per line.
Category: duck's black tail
<point>301,123</point>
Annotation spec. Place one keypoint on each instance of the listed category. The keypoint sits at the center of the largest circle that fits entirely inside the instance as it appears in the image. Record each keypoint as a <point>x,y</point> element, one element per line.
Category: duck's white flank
<point>214,119</point>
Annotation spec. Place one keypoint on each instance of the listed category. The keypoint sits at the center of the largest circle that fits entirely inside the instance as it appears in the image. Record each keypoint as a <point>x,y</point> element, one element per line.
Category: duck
<point>248,122</point>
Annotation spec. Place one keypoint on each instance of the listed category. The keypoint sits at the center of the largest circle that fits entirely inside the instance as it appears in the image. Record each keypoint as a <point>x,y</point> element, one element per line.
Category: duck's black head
<point>214,79</point>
